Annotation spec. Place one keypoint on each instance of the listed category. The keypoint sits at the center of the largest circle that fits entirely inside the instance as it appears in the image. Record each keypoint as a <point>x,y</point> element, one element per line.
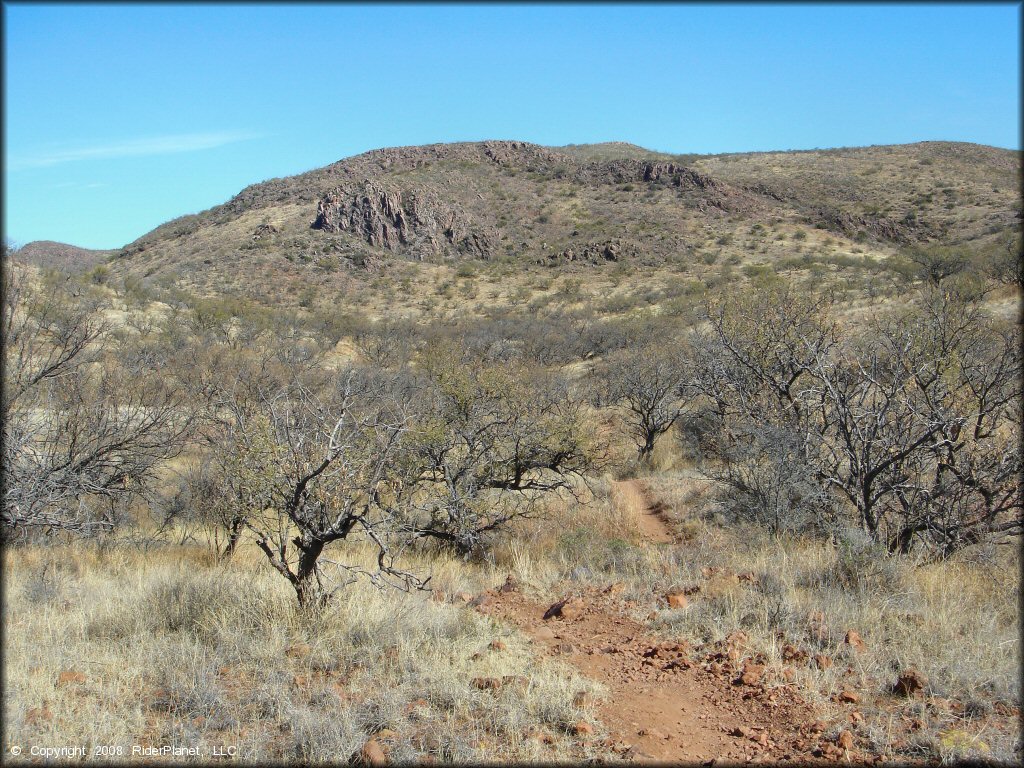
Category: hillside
<point>583,205</point>
<point>496,452</point>
<point>61,256</point>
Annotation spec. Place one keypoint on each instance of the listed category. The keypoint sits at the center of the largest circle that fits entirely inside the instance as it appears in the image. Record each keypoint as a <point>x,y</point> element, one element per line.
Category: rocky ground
<point>669,702</point>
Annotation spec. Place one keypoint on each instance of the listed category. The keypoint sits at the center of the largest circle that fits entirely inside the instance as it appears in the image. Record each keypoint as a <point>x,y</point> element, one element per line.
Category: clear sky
<point>120,117</point>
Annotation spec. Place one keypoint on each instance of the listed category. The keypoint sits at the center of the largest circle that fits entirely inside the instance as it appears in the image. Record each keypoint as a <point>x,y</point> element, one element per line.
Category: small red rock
<point>822,662</point>
<point>70,676</point>
<point>737,638</point>
<point>791,653</point>
<point>582,729</point>
<point>855,641</point>
<point>676,600</point>
<point>910,683</point>
<point>570,608</point>
<point>486,683</point>
<point>372,753</point>
<point>751,674</point>
<point>847,696</point>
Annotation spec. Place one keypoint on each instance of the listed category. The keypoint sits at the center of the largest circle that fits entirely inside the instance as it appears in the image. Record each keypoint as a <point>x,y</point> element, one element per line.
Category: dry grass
<point>957,621</point>
<point>176,649</point>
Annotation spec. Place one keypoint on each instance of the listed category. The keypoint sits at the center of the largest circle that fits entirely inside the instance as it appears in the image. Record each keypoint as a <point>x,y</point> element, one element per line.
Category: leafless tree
<point>309,467</point>
<point>488,444</point>
<point>769,481</point>
<point>919,425</point>
<point>755,349</point>
<point>650,385</point>
<point>914,421</point>
<point>84,429</point>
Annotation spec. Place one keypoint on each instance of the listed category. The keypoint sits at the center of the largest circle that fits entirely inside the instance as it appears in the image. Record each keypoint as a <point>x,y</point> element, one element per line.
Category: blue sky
<point>120,117</point>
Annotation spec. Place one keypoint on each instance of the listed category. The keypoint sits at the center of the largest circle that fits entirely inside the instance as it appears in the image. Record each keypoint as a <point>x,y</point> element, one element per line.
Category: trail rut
<point>662,704</point>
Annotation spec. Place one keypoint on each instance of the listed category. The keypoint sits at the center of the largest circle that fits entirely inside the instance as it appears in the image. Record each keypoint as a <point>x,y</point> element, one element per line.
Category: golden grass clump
<point>124,647</point>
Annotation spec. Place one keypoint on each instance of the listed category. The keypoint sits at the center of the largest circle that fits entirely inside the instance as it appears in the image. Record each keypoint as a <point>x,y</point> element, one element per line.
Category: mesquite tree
<point>86,424</point>
<point>649,384</point>
<point>312,466</point>
<point>488,444</point>
<point>918,421</point>
<point>913,421</point>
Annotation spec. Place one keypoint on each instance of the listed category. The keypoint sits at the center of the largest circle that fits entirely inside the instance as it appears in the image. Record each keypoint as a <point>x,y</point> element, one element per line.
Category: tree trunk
<point>645,450</point>
<point>307,582</point>
<point>234,536</point>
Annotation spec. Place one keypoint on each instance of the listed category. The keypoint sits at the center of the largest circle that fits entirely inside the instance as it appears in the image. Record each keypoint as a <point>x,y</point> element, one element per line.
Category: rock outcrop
<point>411,222</point>
<point>597,253</point>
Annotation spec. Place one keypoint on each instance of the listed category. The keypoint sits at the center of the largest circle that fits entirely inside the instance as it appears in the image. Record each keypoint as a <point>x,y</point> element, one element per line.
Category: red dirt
<point>653,522</point>
<point>662,704</point>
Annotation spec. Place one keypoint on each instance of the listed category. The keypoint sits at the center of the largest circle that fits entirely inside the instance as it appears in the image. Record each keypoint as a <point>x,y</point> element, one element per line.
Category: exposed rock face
<point>697,190</point>
<point>881,228</point>
<point>406,221</point>
<point>598,253</point>
<point>264,230</point>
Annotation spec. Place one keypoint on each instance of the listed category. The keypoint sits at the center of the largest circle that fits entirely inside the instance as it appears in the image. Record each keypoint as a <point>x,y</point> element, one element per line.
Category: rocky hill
<point>510,201</point>
<point>61,256</point>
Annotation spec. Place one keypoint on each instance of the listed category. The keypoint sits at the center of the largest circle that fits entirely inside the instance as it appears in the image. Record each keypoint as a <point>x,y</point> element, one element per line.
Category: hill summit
<point>584,205</point>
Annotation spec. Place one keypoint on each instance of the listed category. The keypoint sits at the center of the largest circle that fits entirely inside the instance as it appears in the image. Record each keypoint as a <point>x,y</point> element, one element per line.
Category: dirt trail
<point>653,521</point>
<point>662,705</point>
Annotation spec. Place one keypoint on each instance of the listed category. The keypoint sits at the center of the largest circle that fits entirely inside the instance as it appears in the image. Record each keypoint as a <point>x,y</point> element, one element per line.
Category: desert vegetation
<point>315,532</point>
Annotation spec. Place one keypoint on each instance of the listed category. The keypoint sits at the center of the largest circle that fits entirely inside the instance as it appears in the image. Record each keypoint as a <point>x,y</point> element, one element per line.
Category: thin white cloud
<point>80,185</point>
<point>158,145</point>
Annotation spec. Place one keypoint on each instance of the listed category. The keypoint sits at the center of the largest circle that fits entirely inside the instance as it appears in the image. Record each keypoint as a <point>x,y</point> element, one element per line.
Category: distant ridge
<point>576,207</point>
<point>49,254</point>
